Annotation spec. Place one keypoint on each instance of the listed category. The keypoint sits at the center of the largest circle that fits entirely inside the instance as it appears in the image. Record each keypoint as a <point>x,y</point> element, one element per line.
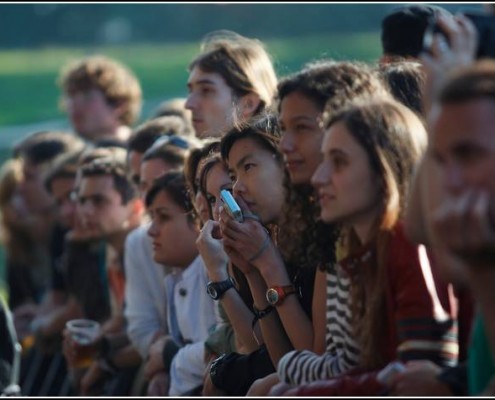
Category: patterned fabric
<point>342,352</point>
<point>418,308</point>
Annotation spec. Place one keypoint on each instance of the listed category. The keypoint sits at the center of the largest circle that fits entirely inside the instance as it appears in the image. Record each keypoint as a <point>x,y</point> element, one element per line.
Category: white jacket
<point>196,316</point>
<point>145,298</point>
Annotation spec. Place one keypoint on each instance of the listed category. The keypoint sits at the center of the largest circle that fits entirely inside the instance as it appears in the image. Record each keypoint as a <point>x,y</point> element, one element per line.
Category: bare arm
<point>216,261</point>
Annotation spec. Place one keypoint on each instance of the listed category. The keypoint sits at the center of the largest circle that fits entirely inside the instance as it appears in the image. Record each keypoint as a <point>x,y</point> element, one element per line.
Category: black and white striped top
<point>342,353</point>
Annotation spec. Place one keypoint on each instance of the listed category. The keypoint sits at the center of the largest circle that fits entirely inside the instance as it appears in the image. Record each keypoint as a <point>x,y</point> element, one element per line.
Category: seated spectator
<point>427,194</point>
<point>264,189</point>
<point>462,222</point>
<point>321,88</point>
<point>101,96</point>
<point>192,170</point>
<point>231,80</point>
<point>17,236</point>
<point>190,311</point>
<point>405,81</point>
<point>145,293</point>
<point>38,153</point>
<point>383,283</point>
<point>109,209</point>
<point>175,107</point>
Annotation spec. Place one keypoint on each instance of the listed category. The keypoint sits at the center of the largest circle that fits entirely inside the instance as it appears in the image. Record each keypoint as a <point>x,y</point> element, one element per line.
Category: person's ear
<point>249,104</point>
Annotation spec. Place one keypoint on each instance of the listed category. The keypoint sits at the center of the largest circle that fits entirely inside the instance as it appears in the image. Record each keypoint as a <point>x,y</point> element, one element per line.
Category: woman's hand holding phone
<point>210,247</point>
<point>249,239</point>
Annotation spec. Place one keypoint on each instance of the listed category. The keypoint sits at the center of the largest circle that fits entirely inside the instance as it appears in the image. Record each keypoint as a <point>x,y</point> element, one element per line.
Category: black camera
<point>485,26</point>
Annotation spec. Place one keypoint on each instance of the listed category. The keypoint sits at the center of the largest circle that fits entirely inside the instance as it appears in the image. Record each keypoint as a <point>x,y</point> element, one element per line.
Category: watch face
<point>272,296</point>
<point>212,291</point>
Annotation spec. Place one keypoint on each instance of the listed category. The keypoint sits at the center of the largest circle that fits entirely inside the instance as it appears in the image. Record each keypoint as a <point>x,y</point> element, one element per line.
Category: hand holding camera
<point>448,43</point>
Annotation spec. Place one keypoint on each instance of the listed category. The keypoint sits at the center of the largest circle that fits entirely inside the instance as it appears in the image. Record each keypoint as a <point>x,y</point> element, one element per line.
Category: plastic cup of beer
<point>84,332</point>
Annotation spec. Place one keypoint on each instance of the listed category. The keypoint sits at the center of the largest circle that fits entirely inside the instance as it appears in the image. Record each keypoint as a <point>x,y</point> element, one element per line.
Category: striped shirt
<point>418,309</point>
<point>342,353</point>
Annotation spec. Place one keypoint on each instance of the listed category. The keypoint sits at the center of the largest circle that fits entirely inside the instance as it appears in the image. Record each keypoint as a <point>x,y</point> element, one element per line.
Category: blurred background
<point>157,41</point>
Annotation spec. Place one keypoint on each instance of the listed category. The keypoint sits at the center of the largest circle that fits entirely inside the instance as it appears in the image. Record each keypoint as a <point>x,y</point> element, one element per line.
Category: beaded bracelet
<point>259,314</point>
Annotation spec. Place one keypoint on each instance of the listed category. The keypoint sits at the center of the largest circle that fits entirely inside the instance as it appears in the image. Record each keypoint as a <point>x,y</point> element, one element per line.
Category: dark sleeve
<point>57,246</point>
<point>237,372</point>
<point>456,379</point>
<point>169,351</point>
<point>85,273</point>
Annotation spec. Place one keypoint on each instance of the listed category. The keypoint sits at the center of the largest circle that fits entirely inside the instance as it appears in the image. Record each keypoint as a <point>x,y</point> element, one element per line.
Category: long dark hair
<point>394,140</point>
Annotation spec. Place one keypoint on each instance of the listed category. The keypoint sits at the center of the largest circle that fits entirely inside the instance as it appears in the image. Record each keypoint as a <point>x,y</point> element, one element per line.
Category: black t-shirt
<point>57,248</point>
<point>84,265</point>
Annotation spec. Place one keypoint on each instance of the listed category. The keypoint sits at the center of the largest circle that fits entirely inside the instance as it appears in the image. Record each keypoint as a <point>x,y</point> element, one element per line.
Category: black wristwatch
<point>216,289</point>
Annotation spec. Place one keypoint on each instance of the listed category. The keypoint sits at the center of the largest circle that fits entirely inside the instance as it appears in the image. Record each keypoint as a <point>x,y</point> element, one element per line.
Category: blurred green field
<point>28,78</point>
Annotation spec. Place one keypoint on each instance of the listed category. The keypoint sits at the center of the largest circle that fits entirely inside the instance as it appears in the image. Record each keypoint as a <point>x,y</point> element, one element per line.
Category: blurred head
<point>173,229</point>
<point>16,233</point>
<point>38,152</point>
<point>166,154</point>
<point>100,94</point>
<point>174,107</point>
<point>303,97</point>
<point>60,183</point>
<point>369,154</point>
<point>403,30</point>
<point>11,203</point>
<point>146,134</point>
<point>108,204</point>
<point>214,177</point>
<point>256,167</point>
<point>405,81</point>
<point>192,170</point>
<point>463,127</point>
<point>231,80</point>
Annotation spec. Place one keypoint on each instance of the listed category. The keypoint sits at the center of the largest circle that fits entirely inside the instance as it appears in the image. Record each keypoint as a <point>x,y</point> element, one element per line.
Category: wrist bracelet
<point>259,314</point>
<point>263,247</point>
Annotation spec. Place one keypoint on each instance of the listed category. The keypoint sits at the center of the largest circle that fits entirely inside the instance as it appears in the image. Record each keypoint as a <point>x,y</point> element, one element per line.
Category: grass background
<point>28,77</point>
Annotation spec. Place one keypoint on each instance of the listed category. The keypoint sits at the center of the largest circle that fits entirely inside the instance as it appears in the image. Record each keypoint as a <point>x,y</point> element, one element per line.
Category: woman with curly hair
<point>383,300</point>
<point>305,99</point>
<point>259,182</point>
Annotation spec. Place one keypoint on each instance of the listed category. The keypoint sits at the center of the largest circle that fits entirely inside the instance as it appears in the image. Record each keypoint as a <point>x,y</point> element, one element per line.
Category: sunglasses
<point>174,140</point>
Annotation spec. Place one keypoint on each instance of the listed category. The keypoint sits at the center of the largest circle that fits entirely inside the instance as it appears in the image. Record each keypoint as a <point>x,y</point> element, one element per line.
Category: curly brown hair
<point>330,85</point>
<point>118,84</point>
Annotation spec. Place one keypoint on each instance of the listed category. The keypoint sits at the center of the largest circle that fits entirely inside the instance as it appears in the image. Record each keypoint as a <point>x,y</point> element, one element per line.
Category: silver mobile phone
<point>231,205</point>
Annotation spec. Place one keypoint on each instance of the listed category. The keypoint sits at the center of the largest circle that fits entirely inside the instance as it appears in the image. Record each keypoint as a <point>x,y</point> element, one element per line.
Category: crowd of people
<point>362,261</point>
